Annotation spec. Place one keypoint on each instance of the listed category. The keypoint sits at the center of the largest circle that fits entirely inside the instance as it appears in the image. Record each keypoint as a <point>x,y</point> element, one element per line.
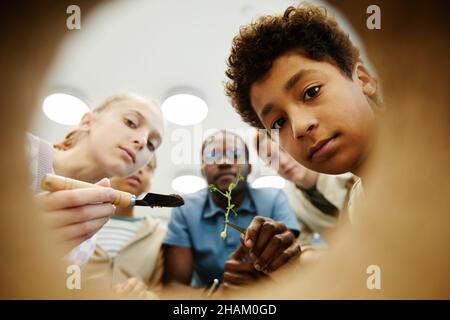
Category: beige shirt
<point>355,198</point>
<point>141,257</point>
<point>310,218</point>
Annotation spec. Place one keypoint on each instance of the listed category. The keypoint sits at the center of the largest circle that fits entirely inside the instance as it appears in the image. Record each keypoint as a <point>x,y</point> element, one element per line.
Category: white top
<point>333,188</point>
<point>355,199</point>
<point>40,155</point>
<point>117,232</point>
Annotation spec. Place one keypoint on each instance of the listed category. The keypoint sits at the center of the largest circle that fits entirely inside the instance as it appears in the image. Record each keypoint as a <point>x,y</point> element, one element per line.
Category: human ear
<point>245,170</point>
<point>86,122</point>
<point>367,82</point>
<point>203,171</point>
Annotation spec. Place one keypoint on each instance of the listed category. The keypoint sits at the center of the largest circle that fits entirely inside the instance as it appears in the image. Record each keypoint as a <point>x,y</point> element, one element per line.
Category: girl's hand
<point>76,215</point>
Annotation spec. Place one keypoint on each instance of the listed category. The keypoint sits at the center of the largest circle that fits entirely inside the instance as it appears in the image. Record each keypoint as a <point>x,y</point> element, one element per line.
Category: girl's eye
<point>311,93</point>
<point>130,123</point>
<point>278,123</point>
<point>151,146</point>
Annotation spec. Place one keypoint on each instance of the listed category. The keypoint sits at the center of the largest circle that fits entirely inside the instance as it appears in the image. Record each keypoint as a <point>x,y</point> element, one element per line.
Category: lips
<point>134,180</point>
<point>222,174</point>
<point>320,149</point>
<point>130,153</point>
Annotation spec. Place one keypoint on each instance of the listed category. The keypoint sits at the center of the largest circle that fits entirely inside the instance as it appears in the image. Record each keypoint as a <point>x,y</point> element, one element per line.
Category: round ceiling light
<point>184,109</point>
<point>188,184</point>
<point>269,182</point>
<point>64,108</point>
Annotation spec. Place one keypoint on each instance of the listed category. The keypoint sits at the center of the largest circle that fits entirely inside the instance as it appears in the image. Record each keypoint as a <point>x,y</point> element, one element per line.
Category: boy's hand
<point>76,215</point>
<point>270,243</point>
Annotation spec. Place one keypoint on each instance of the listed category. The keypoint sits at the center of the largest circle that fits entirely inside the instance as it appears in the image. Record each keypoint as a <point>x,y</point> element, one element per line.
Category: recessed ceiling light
<point>269,182</point>
<point>64,108</point>
<point>188,184</point>
<point>184,109</point>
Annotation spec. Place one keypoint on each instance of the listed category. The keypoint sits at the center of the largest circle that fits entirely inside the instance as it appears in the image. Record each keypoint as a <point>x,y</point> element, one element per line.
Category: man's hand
<point>76,215</point>
<point>239,269</point>
<point>270,243</point>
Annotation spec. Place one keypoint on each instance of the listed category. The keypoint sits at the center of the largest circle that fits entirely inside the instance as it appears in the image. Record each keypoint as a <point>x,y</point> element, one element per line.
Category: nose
<point>225,162</point>
<point>140,142</point>
<point>303,124</point>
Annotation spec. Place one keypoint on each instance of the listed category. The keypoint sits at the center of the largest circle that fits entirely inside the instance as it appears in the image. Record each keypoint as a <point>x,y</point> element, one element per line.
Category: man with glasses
<point>195,253</point>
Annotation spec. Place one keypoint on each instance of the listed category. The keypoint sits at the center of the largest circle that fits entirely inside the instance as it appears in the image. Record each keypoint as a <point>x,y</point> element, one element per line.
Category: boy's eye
<point>311,93</point>
<point>278,123</point>
<point>130,123</point>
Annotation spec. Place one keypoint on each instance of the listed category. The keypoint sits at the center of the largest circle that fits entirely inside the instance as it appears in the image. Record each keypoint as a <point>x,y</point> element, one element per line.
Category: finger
<point>238,266</point>
<point>41,198</point>
<point>139,288</point>
<point>240,253</point>
<point>129,285</point>
<point>277,244</point>
<point>75,198</point>
<point>230,287</point>
<point>238,279</point>
<point>82,229</point>
<point>251,234</point>
<point>80,214</point>
<point>70,234</point>
<point>125,286</point>
<point>73,243</point>
<point>104,182</point>
<point>142,295</point>
<point>242,239</point>
<point>287,255</point>
<point>118,288</point>
<point>268,230</point>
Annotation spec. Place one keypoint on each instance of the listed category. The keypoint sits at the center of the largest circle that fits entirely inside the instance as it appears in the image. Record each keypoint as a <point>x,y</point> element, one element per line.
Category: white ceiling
<point>151,47</point>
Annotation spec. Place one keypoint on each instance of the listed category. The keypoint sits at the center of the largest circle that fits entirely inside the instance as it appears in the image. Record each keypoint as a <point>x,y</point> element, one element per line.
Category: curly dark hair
<point>306,28</point>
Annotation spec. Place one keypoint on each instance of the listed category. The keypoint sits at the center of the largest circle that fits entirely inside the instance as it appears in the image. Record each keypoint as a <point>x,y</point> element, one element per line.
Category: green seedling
<point>230,205</point>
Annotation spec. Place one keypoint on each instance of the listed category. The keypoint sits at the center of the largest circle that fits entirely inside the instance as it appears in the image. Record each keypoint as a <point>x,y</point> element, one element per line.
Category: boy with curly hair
<point>300,74</point>
<point>300,77</point>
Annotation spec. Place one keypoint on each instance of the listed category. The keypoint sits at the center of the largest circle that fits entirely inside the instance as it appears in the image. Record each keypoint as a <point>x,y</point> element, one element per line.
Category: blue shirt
<point>200,221</point>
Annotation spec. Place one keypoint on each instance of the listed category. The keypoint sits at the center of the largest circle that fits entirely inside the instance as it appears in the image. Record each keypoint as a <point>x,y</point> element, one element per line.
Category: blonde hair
<point>72,138</point>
